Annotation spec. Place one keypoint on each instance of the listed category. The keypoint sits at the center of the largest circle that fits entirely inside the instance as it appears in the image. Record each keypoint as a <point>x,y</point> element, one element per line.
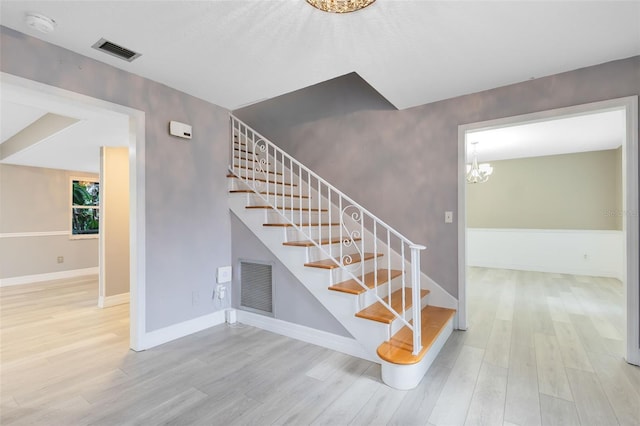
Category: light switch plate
<point>448,217</point>
<point>224,274</point>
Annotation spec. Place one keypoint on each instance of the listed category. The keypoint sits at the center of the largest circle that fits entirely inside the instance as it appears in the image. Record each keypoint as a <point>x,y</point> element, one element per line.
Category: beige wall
<point>37,200</point>
<point>571,191</point>
<point>114,220</point>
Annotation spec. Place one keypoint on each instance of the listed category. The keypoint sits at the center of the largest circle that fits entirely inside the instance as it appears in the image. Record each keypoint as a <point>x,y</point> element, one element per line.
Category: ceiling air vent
<point>115,50</point>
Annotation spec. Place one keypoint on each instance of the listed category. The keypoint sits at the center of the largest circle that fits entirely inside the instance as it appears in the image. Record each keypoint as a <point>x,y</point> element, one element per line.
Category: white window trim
<point>73,236</point>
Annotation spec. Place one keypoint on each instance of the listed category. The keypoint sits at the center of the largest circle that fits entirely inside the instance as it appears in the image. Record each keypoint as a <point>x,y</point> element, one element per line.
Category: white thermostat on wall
<point>180,130</point>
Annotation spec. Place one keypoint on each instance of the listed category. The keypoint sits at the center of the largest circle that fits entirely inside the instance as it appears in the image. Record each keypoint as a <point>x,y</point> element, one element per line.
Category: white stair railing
<point>309,203</point>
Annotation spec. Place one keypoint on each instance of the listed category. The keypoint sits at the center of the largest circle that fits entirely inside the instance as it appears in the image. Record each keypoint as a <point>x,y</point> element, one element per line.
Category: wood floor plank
<point>573,353</point>
<point>418,404</point>
<point>347,405</point>
<point>453,403</point>
<point>557,310</point>
<point>498,346</point>
<point>487,403</point>
<point>558,412</point>
<point>623,396</point>
<point>380,408</point>
<point>522,400</point>
<point>552,376</point>
<point>591,402</point>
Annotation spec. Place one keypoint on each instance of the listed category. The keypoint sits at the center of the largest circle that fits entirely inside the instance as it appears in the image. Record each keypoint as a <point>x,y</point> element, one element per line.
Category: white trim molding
<point>116,299</point>
<point>176,331</point>
<point>327,340</point>
<point>50,276</point>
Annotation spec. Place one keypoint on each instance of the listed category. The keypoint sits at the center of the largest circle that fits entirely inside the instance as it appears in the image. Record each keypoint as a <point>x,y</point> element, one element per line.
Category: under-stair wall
<point>292,302</point>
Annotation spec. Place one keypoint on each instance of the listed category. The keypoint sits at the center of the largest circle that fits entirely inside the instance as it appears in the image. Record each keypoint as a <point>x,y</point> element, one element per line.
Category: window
<point>85,208</point>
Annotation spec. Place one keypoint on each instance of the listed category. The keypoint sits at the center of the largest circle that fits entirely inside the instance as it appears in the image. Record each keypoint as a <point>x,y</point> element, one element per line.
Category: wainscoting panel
<point>578,252</point>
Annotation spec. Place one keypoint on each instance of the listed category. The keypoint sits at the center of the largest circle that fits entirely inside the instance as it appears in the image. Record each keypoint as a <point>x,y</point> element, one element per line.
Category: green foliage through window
<point>85,214</point>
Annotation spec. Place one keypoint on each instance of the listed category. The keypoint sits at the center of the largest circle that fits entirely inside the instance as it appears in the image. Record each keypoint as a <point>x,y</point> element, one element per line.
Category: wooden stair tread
<point>352,286</point>
<point>286,225</point>
<point>378,312</point>
<point>399,349</point>
<point>304,209</point>
<point>250,191</point>
<point>331,264</point>
<point>307,243</point>
<point>274,182</point>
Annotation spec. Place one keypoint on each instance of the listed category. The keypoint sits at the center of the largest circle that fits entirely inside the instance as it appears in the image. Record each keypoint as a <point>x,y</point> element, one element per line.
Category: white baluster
<point>416,291</point>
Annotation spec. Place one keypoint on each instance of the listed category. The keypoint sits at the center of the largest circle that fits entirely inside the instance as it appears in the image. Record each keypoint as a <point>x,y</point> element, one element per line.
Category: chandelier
<point>340,6</point>
<point>478,173</point>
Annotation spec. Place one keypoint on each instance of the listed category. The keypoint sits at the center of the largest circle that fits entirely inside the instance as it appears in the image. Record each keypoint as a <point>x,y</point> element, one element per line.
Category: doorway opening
<point>135,133</point>
<point>627,212</point>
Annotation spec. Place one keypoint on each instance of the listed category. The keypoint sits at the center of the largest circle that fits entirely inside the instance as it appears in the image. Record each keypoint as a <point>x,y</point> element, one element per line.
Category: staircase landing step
<point>378,312</point>
<point>331,264</point>
<point>307,243</point>
<point>352,286</point>
<point>399,349</point>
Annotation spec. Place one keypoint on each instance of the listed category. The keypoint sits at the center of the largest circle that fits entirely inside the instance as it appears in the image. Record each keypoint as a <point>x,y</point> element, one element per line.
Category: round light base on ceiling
<point>40,22</point>
<point>340,6</point>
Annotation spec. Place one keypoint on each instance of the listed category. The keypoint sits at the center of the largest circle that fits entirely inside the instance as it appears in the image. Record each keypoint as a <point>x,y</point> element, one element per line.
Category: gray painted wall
<point>187,218</point>
<point>402,165</point>
<point>34,199</point>
<point>292,302</point>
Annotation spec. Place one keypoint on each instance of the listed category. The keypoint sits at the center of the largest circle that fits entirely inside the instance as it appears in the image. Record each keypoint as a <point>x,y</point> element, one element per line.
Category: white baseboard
<point>29,279</point>
<point>116,299</point>
<point>176,331</point>
<point>306,334</point>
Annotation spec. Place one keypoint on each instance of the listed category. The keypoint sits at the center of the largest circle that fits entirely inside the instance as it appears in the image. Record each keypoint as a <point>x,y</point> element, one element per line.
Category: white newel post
<point>415,295</point>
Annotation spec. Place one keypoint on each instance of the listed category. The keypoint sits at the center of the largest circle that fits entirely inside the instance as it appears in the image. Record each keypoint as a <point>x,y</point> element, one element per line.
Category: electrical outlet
<point>60,259</point>
<point>195,298</point>
<point>221,291</point>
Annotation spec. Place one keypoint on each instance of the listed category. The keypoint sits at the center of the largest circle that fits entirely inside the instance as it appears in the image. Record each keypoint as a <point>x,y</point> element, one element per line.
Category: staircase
<point>360,269</point>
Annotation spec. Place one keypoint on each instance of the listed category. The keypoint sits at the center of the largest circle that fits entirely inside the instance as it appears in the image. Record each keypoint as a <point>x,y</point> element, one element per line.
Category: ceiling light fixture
<point>40,22</point>
<point>340,6</point>
<point>478,173</point>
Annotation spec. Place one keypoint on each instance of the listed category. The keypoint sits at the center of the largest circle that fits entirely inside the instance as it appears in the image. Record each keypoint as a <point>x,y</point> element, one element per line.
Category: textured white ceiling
<point>15,117</point>
<point>74,148</point>
<point>561,135</point>
<point>413,52</point>
<point>234,53</point>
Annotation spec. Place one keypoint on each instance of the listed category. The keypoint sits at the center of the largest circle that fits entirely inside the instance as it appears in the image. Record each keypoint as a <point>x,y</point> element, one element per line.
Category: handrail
<point>271,184</point>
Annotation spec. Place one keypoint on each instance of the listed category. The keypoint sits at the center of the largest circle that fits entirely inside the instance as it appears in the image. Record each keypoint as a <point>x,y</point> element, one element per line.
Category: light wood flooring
<point>540,349</point>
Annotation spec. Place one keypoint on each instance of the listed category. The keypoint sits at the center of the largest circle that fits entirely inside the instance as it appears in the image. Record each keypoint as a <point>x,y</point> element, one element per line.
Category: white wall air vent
<point>256,287</point>
<point>113,49</point>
